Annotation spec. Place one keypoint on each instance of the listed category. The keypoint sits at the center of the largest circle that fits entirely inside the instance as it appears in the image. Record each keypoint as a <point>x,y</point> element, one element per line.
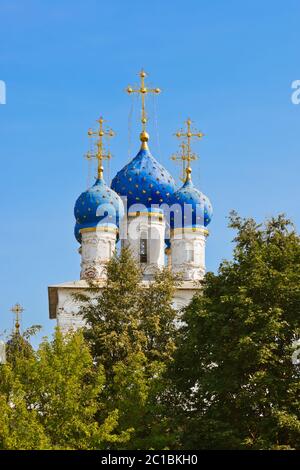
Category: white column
<point>97,247</point>
<point>145,237</point>
<point>188,252</point>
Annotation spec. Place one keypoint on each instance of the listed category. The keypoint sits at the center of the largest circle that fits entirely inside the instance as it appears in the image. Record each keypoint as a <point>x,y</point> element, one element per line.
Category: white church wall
<point>65,307</point>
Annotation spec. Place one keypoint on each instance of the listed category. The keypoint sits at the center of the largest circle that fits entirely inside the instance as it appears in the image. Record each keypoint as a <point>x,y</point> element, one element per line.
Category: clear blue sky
<point>227,64</point>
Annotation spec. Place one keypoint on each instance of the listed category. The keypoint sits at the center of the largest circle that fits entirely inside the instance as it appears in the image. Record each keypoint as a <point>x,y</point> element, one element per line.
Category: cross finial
<point>183,157</point>
<point>100,155</point>
<point>17,309</point>
<point>143,91</point>
<point>188,136</point>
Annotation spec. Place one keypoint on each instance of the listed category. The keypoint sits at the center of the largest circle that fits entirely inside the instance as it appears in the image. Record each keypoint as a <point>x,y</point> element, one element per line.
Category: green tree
<point>136,391</point>
<point>127,315</point>
<point>20,427</point>
<point>131,331</point>
<point>18,345</point>
<point>236,386</point>
<point>113,315</point>
<point>50,399</point>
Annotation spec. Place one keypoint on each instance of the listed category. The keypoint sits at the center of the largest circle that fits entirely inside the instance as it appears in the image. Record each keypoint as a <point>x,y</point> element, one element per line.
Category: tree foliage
<point>49,399</point>
<point>131,331</point>
<point>236,383</point>
<point>127,316</point>
<point>226,376</point>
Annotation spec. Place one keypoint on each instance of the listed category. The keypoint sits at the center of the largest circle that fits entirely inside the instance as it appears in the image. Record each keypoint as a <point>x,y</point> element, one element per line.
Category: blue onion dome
<point>195,208</point>
<point>98,205</point>
<point>143,180</point>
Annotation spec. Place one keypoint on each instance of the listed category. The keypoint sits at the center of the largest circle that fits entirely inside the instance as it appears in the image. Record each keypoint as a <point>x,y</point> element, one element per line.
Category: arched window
<point>143,248</point>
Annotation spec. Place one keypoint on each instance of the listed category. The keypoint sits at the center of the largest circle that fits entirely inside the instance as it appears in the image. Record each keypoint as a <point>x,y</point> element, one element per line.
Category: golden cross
<point>183,157</point>
<point>188,135</point>
<point>17,309</point>
<point>143,91</point>
<point>100,155</point>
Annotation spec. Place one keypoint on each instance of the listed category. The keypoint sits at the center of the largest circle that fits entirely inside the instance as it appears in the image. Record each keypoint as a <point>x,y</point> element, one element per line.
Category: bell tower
<point>144,234</point>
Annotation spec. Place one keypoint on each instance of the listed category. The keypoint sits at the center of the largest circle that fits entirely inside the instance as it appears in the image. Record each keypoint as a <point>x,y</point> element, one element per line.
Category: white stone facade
<point>64,308</point>
<point>185,256</point>
<point>145,237</point>
<point>188,252</point>
<point>97,247</point>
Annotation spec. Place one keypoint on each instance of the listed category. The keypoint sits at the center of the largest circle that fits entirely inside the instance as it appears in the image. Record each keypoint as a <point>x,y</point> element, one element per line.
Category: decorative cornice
<point>99,228</point>
<point>202,230</point>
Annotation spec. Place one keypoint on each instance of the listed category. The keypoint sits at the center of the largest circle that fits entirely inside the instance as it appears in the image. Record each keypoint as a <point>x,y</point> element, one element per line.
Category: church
<point>162,225</point>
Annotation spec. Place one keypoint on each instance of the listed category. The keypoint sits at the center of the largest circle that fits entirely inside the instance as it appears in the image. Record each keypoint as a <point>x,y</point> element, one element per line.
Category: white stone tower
<point>188,252</point>
<point>98,245</point>
<point>146,185</point>
<point>191,213</point>
<point>145,237</point>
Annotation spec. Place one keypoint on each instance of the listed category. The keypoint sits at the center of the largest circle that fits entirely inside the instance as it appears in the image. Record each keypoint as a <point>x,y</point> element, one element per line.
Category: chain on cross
<point>182,157</point>
<point>188,135</point>
<point>143,91</point>
<point>100,155</point>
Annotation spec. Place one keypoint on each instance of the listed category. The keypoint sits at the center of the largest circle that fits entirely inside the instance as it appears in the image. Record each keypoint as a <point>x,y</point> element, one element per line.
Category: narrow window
<point>143,248</point>
<point>189,256</point>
